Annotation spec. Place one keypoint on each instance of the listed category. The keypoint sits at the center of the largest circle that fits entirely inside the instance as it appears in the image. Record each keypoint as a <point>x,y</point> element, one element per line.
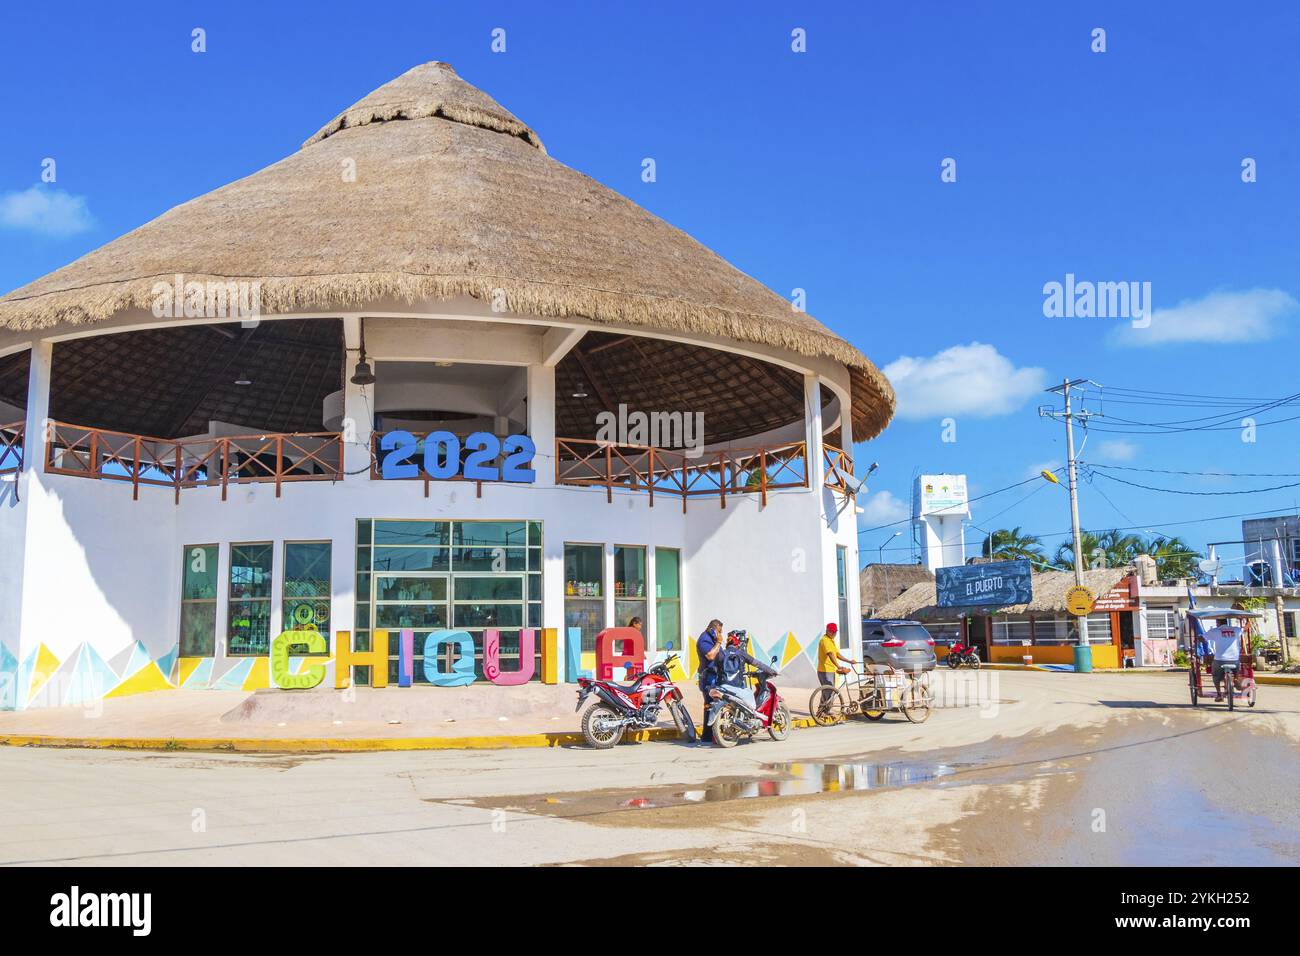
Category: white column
<point>358,408</point>
<point>38,413</point>
<point>812,417</point>
<point>541,421</point>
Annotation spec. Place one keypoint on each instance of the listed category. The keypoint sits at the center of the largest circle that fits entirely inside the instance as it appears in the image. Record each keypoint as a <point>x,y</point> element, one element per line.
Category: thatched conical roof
<point>452,196</point>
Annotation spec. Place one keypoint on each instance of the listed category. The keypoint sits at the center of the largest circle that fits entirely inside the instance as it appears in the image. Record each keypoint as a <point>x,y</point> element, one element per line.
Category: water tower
<point>939,507</point>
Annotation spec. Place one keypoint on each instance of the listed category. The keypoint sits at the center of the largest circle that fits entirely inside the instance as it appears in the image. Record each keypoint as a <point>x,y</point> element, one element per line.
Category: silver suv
<point>906,645</point>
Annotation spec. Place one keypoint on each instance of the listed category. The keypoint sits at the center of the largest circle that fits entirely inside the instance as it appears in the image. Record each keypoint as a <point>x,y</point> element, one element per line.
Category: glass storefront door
<point>458,575</point>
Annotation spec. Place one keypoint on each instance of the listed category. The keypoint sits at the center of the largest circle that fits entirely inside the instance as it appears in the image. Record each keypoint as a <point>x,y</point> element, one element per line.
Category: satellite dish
<point>1210,566</point>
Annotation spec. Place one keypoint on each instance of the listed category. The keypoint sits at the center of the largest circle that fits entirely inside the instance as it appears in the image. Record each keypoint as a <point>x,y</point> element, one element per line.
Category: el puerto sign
<point>993,584</point>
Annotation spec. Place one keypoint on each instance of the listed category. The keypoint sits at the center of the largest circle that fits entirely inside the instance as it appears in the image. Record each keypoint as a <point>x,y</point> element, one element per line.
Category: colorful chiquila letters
<point>616,647</point>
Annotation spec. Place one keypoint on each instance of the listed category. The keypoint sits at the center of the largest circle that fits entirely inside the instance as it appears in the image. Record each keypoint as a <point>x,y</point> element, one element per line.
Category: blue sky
<point>817,170</point>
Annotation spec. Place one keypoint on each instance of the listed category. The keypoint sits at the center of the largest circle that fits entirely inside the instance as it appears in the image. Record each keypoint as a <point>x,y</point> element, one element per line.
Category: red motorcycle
<point>959,654</point>
<point>735,712</point>
<point>636,705</point>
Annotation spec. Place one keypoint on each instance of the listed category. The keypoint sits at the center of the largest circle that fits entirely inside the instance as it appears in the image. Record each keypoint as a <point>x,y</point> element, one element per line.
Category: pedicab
<point>1239,675</point>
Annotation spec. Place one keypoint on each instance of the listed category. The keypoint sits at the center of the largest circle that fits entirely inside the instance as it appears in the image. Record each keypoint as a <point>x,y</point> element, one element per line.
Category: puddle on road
<point>800,779</point>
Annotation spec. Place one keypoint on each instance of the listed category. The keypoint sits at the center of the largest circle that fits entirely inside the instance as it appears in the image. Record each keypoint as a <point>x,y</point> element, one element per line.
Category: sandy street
<point>1036,768</point>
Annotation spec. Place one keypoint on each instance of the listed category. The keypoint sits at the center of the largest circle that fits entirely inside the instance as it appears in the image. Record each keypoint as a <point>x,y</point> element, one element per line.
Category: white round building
<point>415,405</point>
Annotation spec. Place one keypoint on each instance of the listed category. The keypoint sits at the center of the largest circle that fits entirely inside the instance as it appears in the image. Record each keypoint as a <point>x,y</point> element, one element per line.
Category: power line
<point>1200,494</point>
<point>881,527</point>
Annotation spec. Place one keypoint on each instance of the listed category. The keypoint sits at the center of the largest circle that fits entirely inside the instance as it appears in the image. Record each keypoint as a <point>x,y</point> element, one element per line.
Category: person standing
<point>829,657</point>
<point>708,646</point>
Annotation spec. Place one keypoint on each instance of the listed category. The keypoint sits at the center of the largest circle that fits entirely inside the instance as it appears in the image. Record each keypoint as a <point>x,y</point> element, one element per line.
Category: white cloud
<point>881,507</point>
<point>1221,317</point>
<point>45,211</point>
<point>974,380</point>
<point>1117,450</point>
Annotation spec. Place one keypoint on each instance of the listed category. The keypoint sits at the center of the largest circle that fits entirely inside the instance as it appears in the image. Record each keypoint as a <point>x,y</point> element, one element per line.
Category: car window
<point>910,632</point>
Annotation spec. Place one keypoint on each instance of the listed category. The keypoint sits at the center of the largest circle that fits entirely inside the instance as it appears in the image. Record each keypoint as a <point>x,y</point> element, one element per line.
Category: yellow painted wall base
<point>1103,655</point>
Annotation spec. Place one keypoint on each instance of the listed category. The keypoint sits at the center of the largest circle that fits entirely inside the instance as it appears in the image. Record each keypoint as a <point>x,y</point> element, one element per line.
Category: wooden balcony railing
<point>11,448</point>
<point>192,462</point>
<point>839,467</point>
<point>659,471</point>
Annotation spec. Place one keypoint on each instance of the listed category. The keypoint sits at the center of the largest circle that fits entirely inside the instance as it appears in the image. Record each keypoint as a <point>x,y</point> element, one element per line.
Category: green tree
<point>1175,558</point>
<point>1011,544</point>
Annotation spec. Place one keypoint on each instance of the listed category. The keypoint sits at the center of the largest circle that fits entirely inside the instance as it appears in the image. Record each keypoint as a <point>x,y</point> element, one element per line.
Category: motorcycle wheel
<point>952,660</point>
<point>682,720</point>
<point>975,662</point>
<point>598,737</point>
<point>724,727</point>
<point>780,726</point>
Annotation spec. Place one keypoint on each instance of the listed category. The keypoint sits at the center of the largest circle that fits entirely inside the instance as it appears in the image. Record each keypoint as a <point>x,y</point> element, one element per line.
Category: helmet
<point>734,638</point>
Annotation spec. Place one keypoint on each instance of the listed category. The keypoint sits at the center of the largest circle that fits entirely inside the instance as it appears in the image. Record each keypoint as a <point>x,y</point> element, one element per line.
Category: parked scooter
<point>959,654</point>
<point>736,713</point>
<point>636,705</point>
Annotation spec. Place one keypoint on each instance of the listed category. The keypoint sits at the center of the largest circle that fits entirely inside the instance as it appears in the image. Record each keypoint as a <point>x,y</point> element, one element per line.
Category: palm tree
<point>1110,548</point>
<point>1013,545</point>
<point>1174,557</point>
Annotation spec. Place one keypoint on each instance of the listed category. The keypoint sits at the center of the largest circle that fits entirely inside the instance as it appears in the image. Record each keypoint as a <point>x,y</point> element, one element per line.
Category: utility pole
<point>1069,415</point>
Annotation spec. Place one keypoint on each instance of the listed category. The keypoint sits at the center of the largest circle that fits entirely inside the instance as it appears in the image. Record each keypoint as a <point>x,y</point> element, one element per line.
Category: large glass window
<point>248,631</point>
<point>668,599</point>
<point>306,604</point>
<point>461,575</point>
<point>842,583</point>
<point>629,585</point>
<point>584,591</point>
<point>199,600</point>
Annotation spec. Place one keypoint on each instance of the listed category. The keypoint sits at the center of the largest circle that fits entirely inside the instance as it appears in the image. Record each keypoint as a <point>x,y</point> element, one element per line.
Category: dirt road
<point>1036,768</point>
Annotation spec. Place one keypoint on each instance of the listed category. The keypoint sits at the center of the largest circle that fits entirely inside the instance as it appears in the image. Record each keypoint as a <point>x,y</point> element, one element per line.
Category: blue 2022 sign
<point>443,459</point>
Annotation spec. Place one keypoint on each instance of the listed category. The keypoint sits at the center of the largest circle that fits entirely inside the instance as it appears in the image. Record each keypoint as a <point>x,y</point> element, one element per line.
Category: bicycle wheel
<point>826,706</point>
<point>914,704</point>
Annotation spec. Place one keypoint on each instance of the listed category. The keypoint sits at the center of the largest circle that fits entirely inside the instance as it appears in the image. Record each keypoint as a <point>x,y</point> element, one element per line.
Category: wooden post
<point>652,476</point>
<point>135,471</point>
<point>609,474</point>
<point>225,466</point>
<point>279,462</point>
<point>176,474</point>
<point>94,454</point>
<point>762,464</point>
<point>722,478</point>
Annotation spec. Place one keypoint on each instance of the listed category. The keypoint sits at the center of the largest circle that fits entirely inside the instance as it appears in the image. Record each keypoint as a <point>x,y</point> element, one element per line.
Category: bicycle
<point>879,689</point>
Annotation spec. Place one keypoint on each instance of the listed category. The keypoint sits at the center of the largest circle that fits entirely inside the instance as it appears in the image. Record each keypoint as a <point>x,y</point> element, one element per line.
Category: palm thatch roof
<point>452,196</point>
<point>878,584</point>
<point>1050,587</point>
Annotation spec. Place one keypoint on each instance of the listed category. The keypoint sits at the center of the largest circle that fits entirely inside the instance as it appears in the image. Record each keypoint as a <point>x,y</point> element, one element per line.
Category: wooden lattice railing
<point>194,462</point>
<point>11,448</point>
<point>839,467</point>
<point>659,471</point>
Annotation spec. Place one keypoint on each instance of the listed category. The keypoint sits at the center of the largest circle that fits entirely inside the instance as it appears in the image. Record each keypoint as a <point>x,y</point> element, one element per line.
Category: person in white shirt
<point>1225,642</point>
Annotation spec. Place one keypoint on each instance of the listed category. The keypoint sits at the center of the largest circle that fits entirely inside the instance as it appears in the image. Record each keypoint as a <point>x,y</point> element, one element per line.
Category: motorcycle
<point>959,654</point>
<point>636,705</point>
<point>736,713</point>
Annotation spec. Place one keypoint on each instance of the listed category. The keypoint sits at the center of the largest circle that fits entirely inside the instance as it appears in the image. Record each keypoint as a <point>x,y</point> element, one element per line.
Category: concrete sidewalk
<point>414,718</point>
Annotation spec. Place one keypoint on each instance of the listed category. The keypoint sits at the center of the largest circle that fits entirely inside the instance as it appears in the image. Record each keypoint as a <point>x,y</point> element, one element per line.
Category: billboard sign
<point>995,584</point>
<point>941,494</point>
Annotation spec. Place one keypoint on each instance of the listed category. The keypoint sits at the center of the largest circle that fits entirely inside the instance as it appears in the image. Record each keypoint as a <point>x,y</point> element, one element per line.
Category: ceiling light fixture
<point>363,374</point>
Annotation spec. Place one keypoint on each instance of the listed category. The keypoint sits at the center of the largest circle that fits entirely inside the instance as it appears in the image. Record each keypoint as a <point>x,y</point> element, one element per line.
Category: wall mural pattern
<point>45,680</point>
